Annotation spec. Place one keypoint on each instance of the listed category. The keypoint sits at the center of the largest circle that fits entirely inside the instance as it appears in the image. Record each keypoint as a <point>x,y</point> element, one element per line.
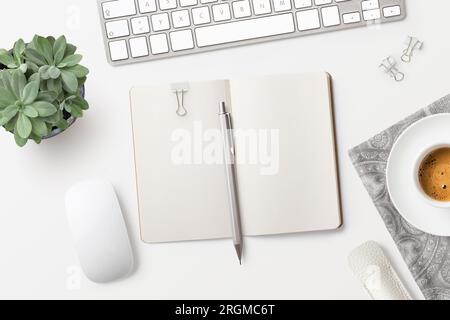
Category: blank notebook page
<point>303,195</point>
<point>178,202</point>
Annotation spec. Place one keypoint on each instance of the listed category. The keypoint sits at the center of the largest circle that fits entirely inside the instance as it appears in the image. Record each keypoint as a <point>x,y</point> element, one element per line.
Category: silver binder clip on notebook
<point>413,45</point>
<point>389,66</point>
<point>180,90</point>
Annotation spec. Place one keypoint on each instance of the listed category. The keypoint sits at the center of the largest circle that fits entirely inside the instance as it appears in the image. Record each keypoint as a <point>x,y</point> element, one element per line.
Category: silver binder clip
<point>389,66</point>
<point>413,45</point>
<point>180,90</point>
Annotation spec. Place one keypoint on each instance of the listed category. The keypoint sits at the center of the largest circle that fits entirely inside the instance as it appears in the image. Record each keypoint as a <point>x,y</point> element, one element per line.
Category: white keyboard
<point>143,30</point>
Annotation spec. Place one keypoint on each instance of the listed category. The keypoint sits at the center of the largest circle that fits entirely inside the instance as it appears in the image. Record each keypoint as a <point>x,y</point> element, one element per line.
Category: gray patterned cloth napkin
<point>427,256</point>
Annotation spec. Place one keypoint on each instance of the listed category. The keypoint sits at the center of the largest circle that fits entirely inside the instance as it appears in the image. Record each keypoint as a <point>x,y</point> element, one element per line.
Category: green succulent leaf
<point>76,111</point>
<point>44,47</point>
<point>54,72</point>
<point>67,107</point>
<point>7,114</point>
<point>19,49</point>
<point>32,66</point>
<point>48,96</point>
<point>59,49</point>
<point>39,127</point>
<point>44,72</point>
<point>54,118</point>
<point>30,111</point>
<point>34,56</point>
<point>23,68</point>
<point>18,83</point>
<point>78,70</point>
<point>70,61</point>
<point>55,85</point>
<point>52,40</point>
<point>30,92</point>
<point>11,124</point>
<point>44,108</point>
<point>10,112</point>
<point>7,98</point>
<point>69,80</point>
<point>34,77</point>
<point>23,126</point>
<point>7,80</point>
<point>70,50</point>
<point>6,59</point>
<point>21,142</point>
<point>3,120</point>
<point>35,138</point>
<point>81,81</point>
<point>62,124</point>
<point>80,102</point>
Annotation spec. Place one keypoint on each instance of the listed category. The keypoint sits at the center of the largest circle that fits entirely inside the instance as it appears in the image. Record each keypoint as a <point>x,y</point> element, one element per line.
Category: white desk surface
<point>37,253</point>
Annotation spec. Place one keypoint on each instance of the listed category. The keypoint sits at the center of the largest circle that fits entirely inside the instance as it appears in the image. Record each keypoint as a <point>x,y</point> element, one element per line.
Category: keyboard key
<point>322,2</point>
<point>241,9</point>
<point>117,29</point>
<point>392,11</point>
<point>372,14</point>
<point>140,25</point>
<point>158,44</point>
<point>180,19</point>
<point>160,22</point>
<point>301,4</point>
<point>146,6</point>
<point>201,15</point>
<point>208,1</point>
<point>370,4</point>
<point>118,8</point>
<point>352,17</point>
<point>282,5</point>
<point>308,20</point>
<point>261,7</point>
<point>118,50</point>
<point>167,4</point>
<point>181,40</point>
<point>188,3</point>
<point>221,12</point>
<point>138,47</point>
<point>245,30</point>
<point>331,16</point>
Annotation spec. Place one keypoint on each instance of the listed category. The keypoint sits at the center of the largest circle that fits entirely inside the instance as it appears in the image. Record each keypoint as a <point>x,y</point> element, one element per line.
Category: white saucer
<point>400,177</point>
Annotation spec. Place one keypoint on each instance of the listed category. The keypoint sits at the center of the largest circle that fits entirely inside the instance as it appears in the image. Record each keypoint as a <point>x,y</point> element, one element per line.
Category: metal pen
<point>230,166</point>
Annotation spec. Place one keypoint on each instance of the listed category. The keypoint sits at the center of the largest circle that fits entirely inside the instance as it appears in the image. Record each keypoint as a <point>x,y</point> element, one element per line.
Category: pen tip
<point>239,253</point>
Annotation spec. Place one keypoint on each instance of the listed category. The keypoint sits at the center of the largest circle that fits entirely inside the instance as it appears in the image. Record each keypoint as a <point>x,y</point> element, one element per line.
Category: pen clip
<point>228,134</point>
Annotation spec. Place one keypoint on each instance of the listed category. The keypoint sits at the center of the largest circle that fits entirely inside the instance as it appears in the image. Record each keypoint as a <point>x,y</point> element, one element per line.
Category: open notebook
<point>286,171</point>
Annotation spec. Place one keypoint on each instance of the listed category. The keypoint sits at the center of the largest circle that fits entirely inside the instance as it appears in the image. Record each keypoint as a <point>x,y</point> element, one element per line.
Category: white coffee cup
<point>416,167</point>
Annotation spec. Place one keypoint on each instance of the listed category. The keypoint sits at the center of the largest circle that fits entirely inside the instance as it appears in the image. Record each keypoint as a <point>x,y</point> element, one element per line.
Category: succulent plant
<point>14,59</point>
<point>57,64</point>
<point>25,111</point>
<point>40,87</point>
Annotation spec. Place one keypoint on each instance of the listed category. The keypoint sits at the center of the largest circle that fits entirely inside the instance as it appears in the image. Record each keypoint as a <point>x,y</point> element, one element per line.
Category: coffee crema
<point>434,174</point>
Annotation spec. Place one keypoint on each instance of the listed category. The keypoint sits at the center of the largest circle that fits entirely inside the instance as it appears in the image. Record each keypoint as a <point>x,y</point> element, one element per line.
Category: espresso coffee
<point>434,174</point>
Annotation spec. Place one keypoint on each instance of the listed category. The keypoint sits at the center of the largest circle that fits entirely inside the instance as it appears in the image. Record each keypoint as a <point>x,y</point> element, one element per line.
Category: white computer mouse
<point>101,236</point>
